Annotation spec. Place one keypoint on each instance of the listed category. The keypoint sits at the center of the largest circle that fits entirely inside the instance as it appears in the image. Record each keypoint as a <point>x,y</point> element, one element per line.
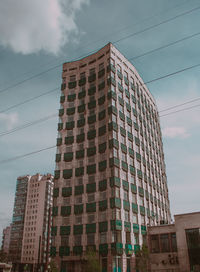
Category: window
<point>92,71</point>
<point>126,215</point>
<point>102,196</point>
<point>78,220</point>
<point>128,237</point>
<point>77,240</point>
<point>116,237</point>
<point>126,195</point>
<point>66,220</point>
<point>124,158</point>
<point>115,152</point>
<point>135,218</point>
<point>114,118</point>
<point>82,75</point>
<point>134,198</point>
<point>72,78</point>
<point>102,216</point>
<point>101,66</point>
<point>103,237</point>
<point>173,242</point>
<point>91,197</point>
<point>66,200</point>
<point>142,220</point>
<point>78,199</point>
<point>154,243</point>
<point>123,140</point>
<point>136,237</point>
<point>164,242</point>
<point>79,181</point>
<point>91,218</point>
<point>91,179</point>
<point>91,239</point>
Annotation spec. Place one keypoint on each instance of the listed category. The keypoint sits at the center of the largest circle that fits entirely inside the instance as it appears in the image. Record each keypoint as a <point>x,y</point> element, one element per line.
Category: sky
<point>36,36</point>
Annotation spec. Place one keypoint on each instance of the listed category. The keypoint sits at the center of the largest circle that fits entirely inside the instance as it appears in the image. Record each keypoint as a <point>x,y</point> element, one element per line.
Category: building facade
<point>110,180</point>
<point>6,239</point>
<point>176,247</point>
<point>35,220</point>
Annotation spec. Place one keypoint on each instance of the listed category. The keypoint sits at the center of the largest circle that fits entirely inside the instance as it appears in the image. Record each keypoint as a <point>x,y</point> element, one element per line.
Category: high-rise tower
<point>110,179</point>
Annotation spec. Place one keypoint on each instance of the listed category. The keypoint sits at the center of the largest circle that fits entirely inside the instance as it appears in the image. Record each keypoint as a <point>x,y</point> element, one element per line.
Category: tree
<point>142,258</point>
<point>53,266</point>
<point>92,263</point>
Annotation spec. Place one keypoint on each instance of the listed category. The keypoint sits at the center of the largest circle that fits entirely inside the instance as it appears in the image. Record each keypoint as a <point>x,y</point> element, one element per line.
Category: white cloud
<point>175,132</point>
<point>9,120</point>
<point>28,26</point>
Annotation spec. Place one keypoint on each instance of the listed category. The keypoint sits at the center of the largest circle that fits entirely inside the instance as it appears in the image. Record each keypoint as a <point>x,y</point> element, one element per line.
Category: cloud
<point>28,26</point>
<point>9,120</point>
<point>175,132</point>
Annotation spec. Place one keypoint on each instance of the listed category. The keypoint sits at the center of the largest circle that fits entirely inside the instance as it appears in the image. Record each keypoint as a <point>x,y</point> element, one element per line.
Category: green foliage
<point>53,266</point>
<point>142,258</point>
<point>93,263</point>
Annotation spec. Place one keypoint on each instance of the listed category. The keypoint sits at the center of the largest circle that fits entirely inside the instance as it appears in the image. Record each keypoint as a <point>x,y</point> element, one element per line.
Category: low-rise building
<point>176,247</point>
<point>6,239</point>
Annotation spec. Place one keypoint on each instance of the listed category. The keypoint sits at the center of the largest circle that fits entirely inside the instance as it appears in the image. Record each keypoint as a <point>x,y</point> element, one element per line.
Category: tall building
<point>110,180</point>
<point>6,239</point>
<point>30,237</point>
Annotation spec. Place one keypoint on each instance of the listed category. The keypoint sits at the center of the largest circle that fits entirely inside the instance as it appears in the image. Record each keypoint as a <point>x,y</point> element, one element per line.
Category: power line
<point>178,105</point>
<point>126,37</point>
<point>173,112</point>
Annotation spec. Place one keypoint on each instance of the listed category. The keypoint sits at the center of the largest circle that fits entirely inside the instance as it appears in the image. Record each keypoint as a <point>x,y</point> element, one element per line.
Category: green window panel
<point>123,148</point>
<point>114,162</point>
<point>78,229</point>
<point>132,169</point>
<point>79,171</point>
<point>102,147</point>
<point>63,86</point>
<point>112,126</point>
<point>64,251</point>
<point>77,250</point>
<point>92,104</point>
<point>91,119</point>
<point>70,125</point>
<point>55,192</point>
<point>101,86</point>
<point>91,207</point>
<point>151,197</point>
<point>122,131</point>
<point>61,112</point>
<point>80,154</point>
<point>134,188</point>
<point>91,134</point>
<point>53,231</point>
<point>102,130</point>
<point>124,166</point>
<point>55,211</point>
<point>103,226</point>
<point>79,190</point>
<point>81,122</point>
<point>68,156</point>
<point>70,111</point>
<point>136,228</point>
<point>56,174</point>
<point>112,109</point>
<point>91,169</point>
<point>116,224</point>
<point>67,173</point>
<point>119,74</point>
<point>103,204</point>
<point>136,248</point>
<point>59,141</point>
<point>102,115</point>
<point>72,84</point>
<point>127,93</point>
<point>92,90</point>
<point>132,86</point>
<point>134,208</point>
<point>112,81</point>
<point>102,185</point>
<point>138,157</point>
<point>102,165</point>
<point>69,140</point>
<point>128,107</point>
<point>91,187</point>
<point>65,230</point>
<point>128,120</point>
<point>121,115</point>
<point>82,81</point>
<point>134,112</point>
<point>117,248</point>
<point>141,191</point>
<point>121,101</point>
<point>58,157</point>
<point>81,108</point>
<point>131,152</point>
<point>113,143</point>
<point>82,94</point>
<point>91,228</point>
<point>136,126</point>
<point>112,95</point>
<point>91,151</point>
<point>115,202</point>
<point>126,205</point>
<point>101,100</point>
<point>103,249</point>
<point>66,191</point>
<point>111,67</point>
<point>115,181</point>
<point>143,230</point>
<point>127,226</point>
<point>65,210</point>
<point>125,185</point>
<point>80,138</point>
<point>148,212</point>
<point>139,173</point>
<point>101,73</point>
<point>120,87</point>
<point>60,126</point>
<point>78,209</point>
<point>142,210</point>
<point>71,97</point>
<point>53,251</point>
<point>128,249</point>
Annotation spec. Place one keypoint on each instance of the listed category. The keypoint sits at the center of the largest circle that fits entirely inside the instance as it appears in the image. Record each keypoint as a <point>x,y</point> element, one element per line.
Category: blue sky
<point>37,35</point>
